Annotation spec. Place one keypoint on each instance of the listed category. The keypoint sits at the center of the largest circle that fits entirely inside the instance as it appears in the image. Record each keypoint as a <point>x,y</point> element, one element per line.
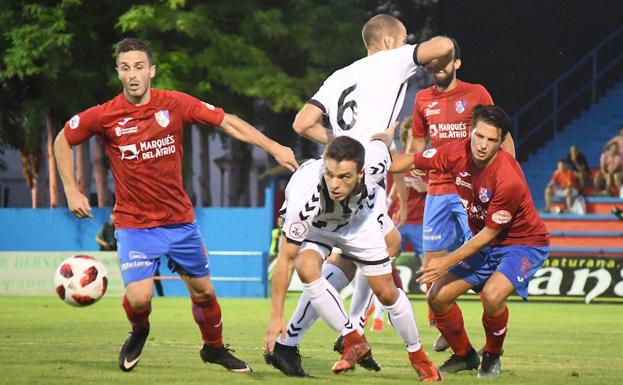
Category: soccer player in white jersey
<point>360,100</point>
<point>330,202</point>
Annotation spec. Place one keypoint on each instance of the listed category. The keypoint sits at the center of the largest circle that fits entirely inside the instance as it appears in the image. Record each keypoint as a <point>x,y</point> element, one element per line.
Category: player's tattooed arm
<point>280,282</point>
<point>437,267</point>
<point>308,123</point>
<point>239,129</point>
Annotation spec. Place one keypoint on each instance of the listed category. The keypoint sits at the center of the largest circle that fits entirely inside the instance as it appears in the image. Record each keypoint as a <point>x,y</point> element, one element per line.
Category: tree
<point>51,68</point>
<point>248,58</point>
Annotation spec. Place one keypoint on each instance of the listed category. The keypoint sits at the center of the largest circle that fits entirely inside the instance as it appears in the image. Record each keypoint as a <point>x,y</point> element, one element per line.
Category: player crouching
<point>509,245</point>
<point>331,204</point>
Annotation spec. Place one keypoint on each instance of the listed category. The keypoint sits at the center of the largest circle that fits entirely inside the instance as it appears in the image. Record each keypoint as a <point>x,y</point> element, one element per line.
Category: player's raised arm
<point>77,202</point>
<point>243,131</point>
<point>436,53</point>
<point>280,282</point>
<point>308,124</point>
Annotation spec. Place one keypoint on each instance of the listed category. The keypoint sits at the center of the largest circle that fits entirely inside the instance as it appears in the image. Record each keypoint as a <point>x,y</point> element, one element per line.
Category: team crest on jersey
<point>429,153</point>
<point>74,122</point>
<point>483,194</point>
<point>460,106</point>
<point>297,230</point>
<point>162,117</point>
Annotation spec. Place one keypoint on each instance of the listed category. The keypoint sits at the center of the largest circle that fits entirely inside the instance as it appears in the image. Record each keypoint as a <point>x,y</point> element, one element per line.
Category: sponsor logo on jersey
<point>163,118</point>
<point>483,195</point>
<point>127,130</point>
<point>124,121</point>
<point>297,230</point>
<point>460,182</point>
<point>429,111</point>
<point>129,152</point>
<point>448,130</point>
<point>156,148</point>
<point>464,174</point>
<point>433,104</point>
<point>74,122</point>
<point>429,153</point>
<point>501,217</point>
<point>210,107</point>
<point>460,106</point>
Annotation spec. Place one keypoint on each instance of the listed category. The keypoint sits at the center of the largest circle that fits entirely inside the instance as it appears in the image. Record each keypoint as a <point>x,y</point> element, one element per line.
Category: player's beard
<point>445,83</point>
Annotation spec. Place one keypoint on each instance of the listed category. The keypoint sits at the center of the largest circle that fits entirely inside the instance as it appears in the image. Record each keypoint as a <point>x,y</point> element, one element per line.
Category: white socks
<point>360,301</point>
<point>305,315</point>
<point>328,304</point>
<point>402,319</point>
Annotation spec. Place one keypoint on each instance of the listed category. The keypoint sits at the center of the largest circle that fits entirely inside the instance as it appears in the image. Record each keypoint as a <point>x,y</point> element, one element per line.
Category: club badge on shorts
<point>163,118</point>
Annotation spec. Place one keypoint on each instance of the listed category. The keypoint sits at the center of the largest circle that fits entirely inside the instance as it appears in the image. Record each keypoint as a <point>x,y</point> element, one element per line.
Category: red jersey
<point>144,146</point>
<point>496,196</point>
<point>446,117</point>
<point>415,202</point>
<point>565,179</point>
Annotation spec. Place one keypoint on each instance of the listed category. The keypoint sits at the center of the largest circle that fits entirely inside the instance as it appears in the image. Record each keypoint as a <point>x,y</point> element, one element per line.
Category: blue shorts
<point>140,249</point>
<point>517,263</point>
<point>445,222</point>
<point>411,233</point>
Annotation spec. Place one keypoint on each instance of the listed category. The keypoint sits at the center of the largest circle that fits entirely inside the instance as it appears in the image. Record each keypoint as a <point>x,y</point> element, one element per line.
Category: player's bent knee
<point>492,299</point>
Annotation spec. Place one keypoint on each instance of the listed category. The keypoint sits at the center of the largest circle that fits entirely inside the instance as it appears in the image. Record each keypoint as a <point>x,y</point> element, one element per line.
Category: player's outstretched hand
<point>276,328</point>
<point>285,157</point>
<point>78,204</point>
<point>433,270</point>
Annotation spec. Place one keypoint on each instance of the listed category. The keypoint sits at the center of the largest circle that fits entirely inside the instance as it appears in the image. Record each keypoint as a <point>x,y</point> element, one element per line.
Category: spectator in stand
<point>579,165</point>
<point>618,140</point>
<point>563,184</point>
<point>610,168</point>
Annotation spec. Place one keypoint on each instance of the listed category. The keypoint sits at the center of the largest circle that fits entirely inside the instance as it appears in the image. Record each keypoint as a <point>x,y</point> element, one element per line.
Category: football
<point>80,280</point>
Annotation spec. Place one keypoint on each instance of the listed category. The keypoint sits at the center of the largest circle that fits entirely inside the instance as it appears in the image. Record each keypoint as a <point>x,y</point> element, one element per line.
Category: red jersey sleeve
<point>505,203</point>
<point>83,125</point>
<point>196,111</point>
<point>435,159</point>
<point>485,97</point>
<point>419,123</point>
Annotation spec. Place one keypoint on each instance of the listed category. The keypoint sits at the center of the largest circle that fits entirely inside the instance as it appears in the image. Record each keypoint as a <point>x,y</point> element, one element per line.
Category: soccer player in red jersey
<point>142,130</point>
<point>443,113</point>
<point>509,245</point>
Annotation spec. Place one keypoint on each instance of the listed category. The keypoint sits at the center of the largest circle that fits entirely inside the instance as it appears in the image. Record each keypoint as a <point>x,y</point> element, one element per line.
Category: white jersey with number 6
<point>363,98</point>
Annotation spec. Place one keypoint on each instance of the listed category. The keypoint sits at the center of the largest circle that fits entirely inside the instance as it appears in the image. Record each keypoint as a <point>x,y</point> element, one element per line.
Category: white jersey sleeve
<point>377,161</point>
<point>363,98</point>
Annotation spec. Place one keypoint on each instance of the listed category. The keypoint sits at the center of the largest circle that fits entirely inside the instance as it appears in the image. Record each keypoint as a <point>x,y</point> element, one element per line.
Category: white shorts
<point>363,241</point>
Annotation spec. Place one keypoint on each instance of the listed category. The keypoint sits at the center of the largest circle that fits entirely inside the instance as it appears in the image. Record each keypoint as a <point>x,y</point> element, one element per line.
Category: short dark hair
<point>346,148</point>
<point>457,49</point>
<point>494,116</point>
<point>133,44</point>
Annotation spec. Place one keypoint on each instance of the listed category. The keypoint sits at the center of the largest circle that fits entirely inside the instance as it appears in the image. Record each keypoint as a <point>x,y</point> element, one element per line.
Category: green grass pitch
<point>44,341</point>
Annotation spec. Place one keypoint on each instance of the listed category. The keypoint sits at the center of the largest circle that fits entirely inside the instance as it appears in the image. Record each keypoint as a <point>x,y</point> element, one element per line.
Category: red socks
<point>138,320</point>
<point>207,314</point>
<point>451,326</point>
<point>495,330</point>
<point>396,277</point>
<point>431,316</point>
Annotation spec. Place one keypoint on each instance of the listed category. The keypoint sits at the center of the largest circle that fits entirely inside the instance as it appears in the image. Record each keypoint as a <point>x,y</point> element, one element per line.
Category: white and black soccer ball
<point>80,280</point>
